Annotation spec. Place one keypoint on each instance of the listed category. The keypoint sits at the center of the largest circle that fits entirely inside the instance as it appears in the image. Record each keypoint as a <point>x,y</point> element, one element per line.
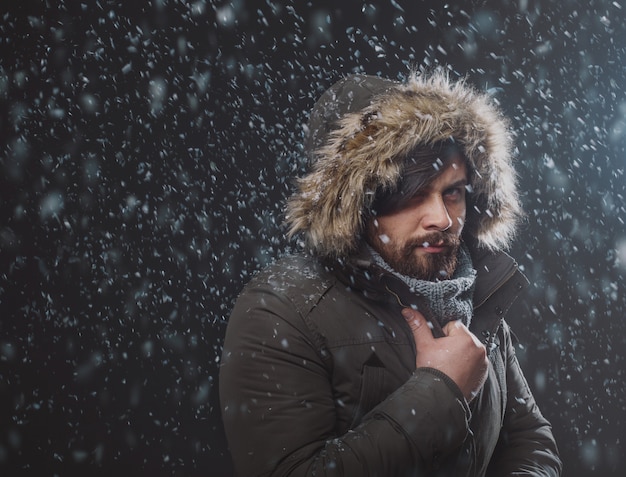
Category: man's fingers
<point>453,327</point>
<point>418,324</point>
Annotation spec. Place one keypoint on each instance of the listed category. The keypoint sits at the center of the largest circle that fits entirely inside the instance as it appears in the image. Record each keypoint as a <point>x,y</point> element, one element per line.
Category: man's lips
<point>437,247</point>
<point>435,243</point>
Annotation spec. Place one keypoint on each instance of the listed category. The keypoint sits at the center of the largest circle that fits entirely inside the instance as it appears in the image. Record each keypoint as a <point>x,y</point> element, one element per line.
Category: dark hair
<point>420,168</point>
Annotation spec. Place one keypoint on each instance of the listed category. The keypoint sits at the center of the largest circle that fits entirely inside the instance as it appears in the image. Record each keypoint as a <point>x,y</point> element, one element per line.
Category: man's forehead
<point>458,165</point>
<point>455,164</point>
<point>452,172</point>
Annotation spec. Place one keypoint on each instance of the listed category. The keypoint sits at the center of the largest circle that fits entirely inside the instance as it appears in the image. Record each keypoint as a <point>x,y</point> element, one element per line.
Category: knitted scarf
<point>446,300</point>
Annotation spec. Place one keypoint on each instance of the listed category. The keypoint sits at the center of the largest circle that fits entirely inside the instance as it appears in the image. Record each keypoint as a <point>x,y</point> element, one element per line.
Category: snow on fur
<point>366,150</point>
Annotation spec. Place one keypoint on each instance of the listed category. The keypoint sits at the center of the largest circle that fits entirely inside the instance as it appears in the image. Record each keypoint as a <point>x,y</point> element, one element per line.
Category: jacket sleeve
<point>278,405</point>
<point>526,445</point>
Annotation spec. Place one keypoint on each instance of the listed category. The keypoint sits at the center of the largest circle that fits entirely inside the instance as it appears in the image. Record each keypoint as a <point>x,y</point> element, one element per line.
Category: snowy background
<point>147,149</point>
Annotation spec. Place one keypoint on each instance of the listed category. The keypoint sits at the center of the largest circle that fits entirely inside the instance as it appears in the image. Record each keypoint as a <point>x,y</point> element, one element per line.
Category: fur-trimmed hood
<point>361,130</point>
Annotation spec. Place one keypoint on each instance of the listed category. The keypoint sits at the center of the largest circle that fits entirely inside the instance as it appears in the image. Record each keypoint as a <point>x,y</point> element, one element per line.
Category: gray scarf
<point>446,300</point>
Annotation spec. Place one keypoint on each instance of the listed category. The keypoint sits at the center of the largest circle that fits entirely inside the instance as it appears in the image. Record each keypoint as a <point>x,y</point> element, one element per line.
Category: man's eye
<point>454,192</point>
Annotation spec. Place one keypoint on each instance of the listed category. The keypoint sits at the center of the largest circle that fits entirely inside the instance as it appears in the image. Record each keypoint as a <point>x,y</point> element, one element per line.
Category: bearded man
<point>381,349</point>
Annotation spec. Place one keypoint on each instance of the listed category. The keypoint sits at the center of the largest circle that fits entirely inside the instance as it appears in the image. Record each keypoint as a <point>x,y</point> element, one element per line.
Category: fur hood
<point>361,130</point>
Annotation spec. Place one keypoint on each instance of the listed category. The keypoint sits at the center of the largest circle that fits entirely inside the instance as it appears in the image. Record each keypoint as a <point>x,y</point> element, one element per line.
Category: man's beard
<point>423,266</point>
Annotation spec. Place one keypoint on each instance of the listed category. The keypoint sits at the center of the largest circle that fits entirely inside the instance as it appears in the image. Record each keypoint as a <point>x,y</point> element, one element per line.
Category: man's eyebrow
<point>460,183</point>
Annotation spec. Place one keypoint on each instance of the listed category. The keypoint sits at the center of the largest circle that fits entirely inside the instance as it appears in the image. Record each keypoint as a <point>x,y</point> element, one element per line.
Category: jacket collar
<point>493,270</point>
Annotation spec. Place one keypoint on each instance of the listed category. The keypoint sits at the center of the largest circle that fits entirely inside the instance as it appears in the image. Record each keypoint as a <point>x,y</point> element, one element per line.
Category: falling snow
<point>147,151</point>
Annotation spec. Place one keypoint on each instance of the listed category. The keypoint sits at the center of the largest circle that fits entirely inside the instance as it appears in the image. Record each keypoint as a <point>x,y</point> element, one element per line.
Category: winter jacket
<point>318,378</point>
<point>318,369</point>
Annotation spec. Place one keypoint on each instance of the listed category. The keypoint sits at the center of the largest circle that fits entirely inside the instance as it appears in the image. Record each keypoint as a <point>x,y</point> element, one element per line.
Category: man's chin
<point>417,262</point>
<point>432,266</point>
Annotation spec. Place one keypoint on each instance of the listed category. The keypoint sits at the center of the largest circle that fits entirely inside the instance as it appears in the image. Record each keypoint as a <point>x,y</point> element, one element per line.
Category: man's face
<point>421,239</point>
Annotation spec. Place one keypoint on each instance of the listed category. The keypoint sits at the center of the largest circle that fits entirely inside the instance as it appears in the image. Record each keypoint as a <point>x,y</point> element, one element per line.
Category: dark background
<point>147,149</point>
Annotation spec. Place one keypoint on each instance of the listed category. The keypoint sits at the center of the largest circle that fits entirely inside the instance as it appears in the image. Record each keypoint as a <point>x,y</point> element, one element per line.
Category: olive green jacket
<point>318,378</point>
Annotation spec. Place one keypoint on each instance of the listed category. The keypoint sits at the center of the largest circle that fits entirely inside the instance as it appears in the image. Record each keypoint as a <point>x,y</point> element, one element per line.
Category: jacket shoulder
<point>300,280</point>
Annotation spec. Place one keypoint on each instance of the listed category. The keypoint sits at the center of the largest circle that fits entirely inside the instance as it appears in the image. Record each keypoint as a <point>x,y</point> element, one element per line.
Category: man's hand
<point>458,354</point>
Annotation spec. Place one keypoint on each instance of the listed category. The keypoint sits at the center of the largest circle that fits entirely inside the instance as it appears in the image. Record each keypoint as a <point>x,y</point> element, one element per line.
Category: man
<point>382,349</point>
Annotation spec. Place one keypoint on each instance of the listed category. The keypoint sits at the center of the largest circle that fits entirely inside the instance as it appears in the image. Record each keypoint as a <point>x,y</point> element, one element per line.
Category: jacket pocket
<point>372,391</point>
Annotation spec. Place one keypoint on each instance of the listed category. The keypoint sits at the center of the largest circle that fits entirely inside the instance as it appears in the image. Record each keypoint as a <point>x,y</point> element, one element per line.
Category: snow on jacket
<point>318,369</point>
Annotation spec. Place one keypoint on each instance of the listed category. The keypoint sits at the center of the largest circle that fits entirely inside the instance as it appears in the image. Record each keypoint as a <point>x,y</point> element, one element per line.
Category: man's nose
<point>437,216</point>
